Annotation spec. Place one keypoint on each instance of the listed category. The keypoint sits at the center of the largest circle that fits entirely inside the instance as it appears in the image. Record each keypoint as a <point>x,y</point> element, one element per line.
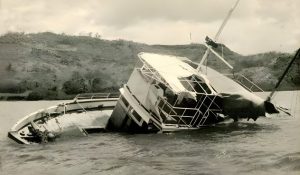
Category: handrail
<point>96,96</point>
<point>236,77</point>
<point>205,115</point>
<point>182,114</point>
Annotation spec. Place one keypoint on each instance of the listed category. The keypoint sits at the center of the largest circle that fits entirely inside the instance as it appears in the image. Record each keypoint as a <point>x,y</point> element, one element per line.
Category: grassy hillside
<point>53,66</point>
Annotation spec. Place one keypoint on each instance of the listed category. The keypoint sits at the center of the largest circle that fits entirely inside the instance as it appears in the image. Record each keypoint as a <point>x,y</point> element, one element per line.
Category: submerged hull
<point>79,117</point>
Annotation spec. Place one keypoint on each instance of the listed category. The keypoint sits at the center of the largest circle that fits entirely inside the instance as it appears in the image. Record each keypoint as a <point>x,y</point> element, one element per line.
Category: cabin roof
<point>171,69</point>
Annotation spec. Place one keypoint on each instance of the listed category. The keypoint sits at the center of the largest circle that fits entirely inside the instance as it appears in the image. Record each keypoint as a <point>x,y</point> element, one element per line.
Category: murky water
<point>267,146</point>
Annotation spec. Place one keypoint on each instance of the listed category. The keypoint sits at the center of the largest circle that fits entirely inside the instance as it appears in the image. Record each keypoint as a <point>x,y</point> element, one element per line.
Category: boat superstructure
<point>166,93</point>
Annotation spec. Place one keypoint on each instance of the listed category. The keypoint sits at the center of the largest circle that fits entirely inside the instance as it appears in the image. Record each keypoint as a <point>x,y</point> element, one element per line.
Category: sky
<point>255,26</point>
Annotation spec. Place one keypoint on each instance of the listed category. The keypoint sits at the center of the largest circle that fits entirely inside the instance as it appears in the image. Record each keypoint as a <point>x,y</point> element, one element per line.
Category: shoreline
<point>21,97</point>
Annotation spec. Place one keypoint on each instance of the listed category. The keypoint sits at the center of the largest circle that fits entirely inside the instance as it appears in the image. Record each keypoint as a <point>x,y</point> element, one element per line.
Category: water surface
<point>267,146</point>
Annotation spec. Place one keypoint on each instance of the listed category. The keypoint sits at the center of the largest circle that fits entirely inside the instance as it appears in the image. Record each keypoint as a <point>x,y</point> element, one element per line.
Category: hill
<point>57,66</point>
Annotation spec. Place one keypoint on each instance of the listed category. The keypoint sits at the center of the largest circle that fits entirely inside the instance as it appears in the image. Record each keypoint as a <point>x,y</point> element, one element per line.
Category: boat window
<point>136,115</point>
<point>169,94</point>
<point>124,101</point>
<point>187,85</point>
<point>195,84</point>
<point>206,88</point>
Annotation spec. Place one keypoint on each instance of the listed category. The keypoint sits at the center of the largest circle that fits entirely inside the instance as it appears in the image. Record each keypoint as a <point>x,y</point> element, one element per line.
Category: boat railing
<point>245,82</point>
<point>151,73</point>
<point>87,96</point>
<point>189,117</point>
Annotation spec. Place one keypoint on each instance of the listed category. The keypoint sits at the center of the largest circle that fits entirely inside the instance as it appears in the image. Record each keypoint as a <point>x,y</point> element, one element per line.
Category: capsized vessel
<point>167,93</point>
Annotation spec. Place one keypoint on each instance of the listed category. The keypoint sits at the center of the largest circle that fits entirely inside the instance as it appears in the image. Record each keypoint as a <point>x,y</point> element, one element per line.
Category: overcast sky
<point>255,26</point>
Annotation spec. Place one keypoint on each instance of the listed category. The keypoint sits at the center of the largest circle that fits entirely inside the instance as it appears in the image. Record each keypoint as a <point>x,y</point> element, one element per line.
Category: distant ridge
<point>57,66</point>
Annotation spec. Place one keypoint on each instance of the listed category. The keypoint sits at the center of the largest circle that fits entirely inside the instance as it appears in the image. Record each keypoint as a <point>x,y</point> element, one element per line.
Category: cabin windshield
<point>195,84</point>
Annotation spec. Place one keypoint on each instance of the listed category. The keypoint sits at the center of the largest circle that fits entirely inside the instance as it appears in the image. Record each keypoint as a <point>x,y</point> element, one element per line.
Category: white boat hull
<point>75,118</point>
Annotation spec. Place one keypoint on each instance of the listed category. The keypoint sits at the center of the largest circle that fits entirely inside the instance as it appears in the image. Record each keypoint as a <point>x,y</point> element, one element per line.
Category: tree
<point>75,85</point>
<point>9,67</point>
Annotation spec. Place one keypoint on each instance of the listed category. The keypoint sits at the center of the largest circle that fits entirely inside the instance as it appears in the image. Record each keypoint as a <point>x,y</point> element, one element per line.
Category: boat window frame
<point>136,115</point>
<point>198,82</point>
<point>124,101</point>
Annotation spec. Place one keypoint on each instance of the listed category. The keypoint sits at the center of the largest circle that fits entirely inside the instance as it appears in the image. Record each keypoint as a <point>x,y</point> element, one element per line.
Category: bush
<point>11,86</point>
<point>35,95</point>
<point>74,87</point>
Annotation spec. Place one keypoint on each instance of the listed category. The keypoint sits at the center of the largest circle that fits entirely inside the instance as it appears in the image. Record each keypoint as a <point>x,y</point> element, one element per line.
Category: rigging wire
<point>297,55</point>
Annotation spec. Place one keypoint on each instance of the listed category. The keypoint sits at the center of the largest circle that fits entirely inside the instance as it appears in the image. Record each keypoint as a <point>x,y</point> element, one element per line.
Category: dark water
<point>267,146</point>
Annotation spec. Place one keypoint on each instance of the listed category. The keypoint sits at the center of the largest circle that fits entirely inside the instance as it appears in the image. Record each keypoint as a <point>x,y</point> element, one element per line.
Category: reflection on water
<point>267,146</point>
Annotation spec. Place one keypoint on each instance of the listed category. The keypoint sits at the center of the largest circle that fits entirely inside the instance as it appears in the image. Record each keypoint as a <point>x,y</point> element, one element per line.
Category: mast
<point>218,34</point>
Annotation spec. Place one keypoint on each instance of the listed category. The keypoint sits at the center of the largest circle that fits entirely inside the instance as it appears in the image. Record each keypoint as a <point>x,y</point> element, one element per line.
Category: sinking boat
<point>168,93</point>
<point>163,94</point>
<point>86,113</point>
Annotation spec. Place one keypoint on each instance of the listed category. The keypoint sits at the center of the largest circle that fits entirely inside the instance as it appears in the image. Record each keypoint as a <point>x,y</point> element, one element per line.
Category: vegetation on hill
<point>58,66</point>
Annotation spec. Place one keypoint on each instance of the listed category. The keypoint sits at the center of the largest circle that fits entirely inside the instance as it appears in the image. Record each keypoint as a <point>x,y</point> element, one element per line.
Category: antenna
<point>218,34</point>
